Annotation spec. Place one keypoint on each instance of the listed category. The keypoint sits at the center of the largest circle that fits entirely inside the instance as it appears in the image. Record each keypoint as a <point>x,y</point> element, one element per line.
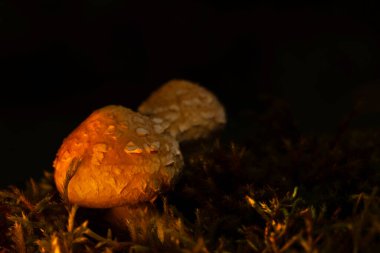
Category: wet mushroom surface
<point>184,109</point>
<point>115,157</point>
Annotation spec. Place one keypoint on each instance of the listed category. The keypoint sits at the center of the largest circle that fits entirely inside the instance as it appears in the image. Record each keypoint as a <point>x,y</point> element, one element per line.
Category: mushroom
<point>114,158</point>
<point>185,110</point>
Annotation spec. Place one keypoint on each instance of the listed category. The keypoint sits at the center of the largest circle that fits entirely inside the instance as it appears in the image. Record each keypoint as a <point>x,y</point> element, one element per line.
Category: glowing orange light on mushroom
<point>122,160</point>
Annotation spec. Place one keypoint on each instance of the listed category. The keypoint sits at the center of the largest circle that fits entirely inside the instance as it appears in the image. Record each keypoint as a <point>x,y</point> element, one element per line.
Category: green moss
<point>259,186</point>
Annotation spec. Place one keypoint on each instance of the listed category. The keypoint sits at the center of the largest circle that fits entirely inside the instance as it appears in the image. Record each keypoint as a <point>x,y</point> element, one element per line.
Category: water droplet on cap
<point>141,131</point>
<point>131,148</point>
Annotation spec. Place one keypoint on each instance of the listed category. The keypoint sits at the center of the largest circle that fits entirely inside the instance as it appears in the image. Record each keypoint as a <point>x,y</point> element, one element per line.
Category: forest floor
<point>259,185</point>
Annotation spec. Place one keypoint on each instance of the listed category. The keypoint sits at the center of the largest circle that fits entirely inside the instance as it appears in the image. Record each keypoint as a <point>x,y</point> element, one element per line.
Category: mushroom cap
<point>121,160</point>
<point>185,110</point>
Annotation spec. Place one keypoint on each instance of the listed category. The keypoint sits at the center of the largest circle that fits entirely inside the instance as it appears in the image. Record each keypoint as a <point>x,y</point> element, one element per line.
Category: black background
<point>60,60</point>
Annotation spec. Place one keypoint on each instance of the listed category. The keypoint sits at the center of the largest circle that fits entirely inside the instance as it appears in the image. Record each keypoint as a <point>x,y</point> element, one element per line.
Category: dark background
<point>60,60</point>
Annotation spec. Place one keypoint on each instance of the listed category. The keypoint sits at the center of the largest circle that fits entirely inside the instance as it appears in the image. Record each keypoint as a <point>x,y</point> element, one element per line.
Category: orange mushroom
<point>116,157</point>
<point>185,110</point>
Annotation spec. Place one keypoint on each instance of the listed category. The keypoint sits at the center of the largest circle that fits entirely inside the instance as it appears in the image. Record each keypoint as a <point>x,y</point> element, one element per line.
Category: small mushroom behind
<point>185,110</point>
<point>119,160</point>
